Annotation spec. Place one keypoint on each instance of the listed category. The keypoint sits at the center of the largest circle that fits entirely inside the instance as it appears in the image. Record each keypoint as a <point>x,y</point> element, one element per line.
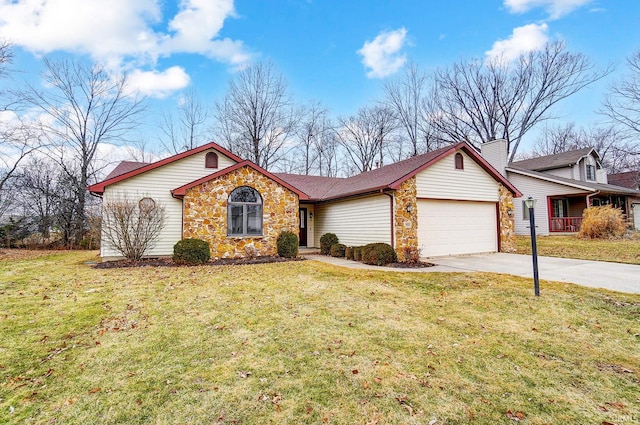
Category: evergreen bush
<point>191,252</point>
<point>338,250</point>
<point>326,241</point>
<point>378,254</point>
<point>287,243</point>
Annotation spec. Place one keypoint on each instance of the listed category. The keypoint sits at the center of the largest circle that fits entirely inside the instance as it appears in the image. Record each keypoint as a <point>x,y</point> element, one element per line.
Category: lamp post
<point>530,204</point>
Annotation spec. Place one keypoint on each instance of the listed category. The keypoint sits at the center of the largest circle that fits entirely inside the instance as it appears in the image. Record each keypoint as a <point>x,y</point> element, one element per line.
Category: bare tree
<point>364,135</point>
<point>327,149</point>
<point>132,227</point>
<point>256,118</point>
<point>479,101</point>
<point>614,147</point>
<point>84,106</point>
<point>622,104</point>
<point>6,57</point>
<point>186,129</point>
<point>406,98</point>
<point>311,134</point>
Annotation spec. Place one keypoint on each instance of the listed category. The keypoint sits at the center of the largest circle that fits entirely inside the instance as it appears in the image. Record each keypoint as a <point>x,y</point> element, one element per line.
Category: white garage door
<point>456,227</point>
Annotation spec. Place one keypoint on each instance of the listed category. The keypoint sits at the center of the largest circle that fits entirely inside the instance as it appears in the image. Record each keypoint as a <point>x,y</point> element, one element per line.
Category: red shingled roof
<point>630,179</point>
<point>125,167</point>
<point>387,177</point>
<point>115,178</point>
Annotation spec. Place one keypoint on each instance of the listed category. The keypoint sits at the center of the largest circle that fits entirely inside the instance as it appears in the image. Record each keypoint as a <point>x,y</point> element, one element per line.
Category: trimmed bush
<point>326,241</point>
<point>348,253</point>
<point>338,250</point>
<point>603,222</point>
<point>378,254</point>
<point>287,243</point>
<point>357,253</point>
<point>191,252</point>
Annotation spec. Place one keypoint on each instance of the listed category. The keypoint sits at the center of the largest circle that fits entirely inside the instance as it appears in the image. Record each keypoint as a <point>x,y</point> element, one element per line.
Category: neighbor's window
<point>244,212</point>
<point>211,160</point>
<point>591,172</point>
<point>459,159</point>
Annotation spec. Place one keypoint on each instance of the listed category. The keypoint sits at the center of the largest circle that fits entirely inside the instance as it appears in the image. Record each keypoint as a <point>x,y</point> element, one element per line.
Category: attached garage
<point>456,227</point>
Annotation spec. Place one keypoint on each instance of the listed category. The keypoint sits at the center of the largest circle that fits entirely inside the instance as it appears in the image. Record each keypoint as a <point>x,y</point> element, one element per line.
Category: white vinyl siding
<point>356,221</point>
<point>540,190</point>
<point>157,184</point>
<point>456,227</point>
<point>566,172</point>
<point>442,181</point>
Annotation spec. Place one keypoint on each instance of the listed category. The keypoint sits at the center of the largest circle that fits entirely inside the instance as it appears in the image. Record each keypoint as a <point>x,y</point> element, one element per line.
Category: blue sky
<point>336,52</point>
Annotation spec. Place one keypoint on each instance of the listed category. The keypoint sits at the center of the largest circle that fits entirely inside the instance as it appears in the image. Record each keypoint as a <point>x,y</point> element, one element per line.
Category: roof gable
<point>130,170</point>
<point>387,177</point>
<point>182,190</point>
<point>559,160</point>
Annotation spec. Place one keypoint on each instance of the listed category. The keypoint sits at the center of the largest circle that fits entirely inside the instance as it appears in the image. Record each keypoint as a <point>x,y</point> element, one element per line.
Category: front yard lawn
<point>617,251</point>
<point>308,343</point>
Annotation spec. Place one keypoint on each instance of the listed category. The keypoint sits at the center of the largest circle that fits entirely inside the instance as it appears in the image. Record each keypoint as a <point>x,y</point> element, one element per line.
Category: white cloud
<point>555,8</point>
<point>158,84</point>
<point>523,39</point>
<point>382,55</point>
<point>123,34</point>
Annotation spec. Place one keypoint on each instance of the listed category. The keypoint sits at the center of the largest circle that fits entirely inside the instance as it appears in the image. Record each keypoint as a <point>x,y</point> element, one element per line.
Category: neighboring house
<point>564,185</point>
<point>449,201</point>
<point>630,179</point>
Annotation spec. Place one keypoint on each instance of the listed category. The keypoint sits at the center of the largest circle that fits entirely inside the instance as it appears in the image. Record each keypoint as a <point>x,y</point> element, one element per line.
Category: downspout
<point>597,192</point>
<point>393,231</point>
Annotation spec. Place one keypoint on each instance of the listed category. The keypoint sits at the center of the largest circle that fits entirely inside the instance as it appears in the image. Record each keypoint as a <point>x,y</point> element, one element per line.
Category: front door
<point>303,227</point>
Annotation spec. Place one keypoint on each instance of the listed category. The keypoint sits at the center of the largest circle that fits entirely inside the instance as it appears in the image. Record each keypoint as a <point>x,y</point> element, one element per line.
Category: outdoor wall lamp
<point>409,208</point>
<point>530,203</point>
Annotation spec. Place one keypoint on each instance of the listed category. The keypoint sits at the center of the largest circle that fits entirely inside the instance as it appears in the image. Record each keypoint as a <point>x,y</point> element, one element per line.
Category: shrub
<point>357,253</point>
<point>326,241</point>
<point>287,243</point>
<point>602,223</point>
<point>338,250</point>
<point>378,254</point>
<point>348,253</point>
<point>191,252</point>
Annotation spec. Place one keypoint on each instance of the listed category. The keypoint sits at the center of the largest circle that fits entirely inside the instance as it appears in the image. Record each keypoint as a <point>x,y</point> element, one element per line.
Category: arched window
<point>459,159</point>
<point>211,160</point>
<point>244,212</point>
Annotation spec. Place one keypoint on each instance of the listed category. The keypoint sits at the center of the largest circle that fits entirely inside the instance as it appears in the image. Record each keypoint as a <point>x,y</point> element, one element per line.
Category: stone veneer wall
<point>406,223</point>
<point>205,214</point>
<point>507,223</point>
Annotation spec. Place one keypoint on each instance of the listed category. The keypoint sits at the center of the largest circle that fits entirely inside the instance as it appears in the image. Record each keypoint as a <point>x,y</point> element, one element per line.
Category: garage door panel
<point>456,227</point>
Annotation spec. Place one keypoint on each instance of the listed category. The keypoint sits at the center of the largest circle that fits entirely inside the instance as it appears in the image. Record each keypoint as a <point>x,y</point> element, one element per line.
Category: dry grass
<point>614,250</point>
<point>308,343</point>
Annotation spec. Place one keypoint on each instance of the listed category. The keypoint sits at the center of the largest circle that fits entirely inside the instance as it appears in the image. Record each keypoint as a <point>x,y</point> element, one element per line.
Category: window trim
<point>458,159</point>
<point>591,177</point>
<point>211,160</point>
<point>246,211</point>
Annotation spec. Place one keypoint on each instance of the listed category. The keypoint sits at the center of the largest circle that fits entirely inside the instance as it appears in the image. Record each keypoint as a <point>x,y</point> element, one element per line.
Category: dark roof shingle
<point>549,162</point>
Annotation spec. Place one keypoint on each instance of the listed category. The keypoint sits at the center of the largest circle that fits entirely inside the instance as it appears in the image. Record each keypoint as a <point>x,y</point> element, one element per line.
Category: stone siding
<point>507,222</point>
<point>406,223</point>
<point>205,214</point>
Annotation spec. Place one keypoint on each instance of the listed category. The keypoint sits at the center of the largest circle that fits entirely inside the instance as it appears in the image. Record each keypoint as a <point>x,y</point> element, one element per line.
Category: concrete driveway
<point>594,274</point>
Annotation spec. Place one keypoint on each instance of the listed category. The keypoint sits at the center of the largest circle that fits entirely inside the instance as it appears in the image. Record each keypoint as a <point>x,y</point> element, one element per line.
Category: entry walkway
<point>594,274</point>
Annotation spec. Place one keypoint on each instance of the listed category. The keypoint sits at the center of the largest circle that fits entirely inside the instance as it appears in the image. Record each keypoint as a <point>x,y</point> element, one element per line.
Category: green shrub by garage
<point>378,254</point>
<point>357,253</point>
<point>338,250</point>
<point>348,253</point>
<point>326,241</point>
<point>287,243</point>
<point>191,252</point>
